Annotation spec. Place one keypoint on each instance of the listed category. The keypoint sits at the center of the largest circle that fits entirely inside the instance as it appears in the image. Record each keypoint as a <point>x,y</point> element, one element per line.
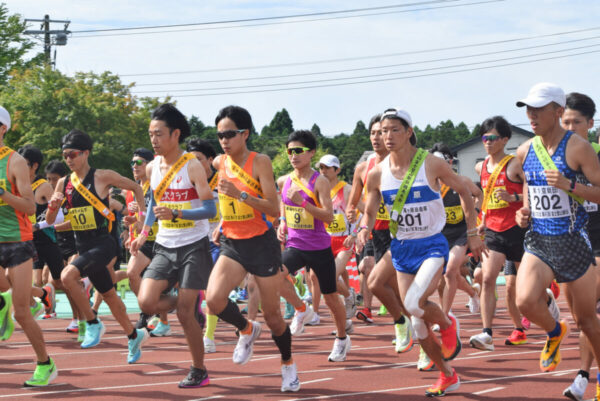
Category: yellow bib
<point>454,214</point>
<point>233,210</point>
<point>338,225</point>
<point>298,218</point>
<point>179,223</point>
<point>494,202</point>
<point>82,218</point>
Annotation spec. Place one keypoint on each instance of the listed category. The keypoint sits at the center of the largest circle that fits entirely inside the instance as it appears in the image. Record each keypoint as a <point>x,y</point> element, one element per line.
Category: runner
<point>16,254</point>
<point>579,118</point>
<point>85,195</point>
<point>557,244</point>
<point>305,207</point>
<point>408,181</point>
<point>248,242</point>
<point>502,182</point>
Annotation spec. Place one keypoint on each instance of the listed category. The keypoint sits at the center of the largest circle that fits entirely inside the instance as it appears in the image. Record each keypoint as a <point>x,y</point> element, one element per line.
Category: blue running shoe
<point>93,334</point>
<point>289,311</point>
<point>161,330</point>
<point>242,296</point>
<point>135,345</point>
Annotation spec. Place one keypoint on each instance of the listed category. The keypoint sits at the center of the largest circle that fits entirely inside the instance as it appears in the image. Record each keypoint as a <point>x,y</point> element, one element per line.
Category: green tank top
<point>14,226</point>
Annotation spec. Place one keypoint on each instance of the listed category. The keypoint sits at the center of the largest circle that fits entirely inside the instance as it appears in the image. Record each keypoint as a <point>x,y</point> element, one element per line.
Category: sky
<point>414,59</point>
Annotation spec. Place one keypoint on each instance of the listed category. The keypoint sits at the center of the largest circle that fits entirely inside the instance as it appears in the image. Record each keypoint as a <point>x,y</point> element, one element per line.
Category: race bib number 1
<point>234,210</point>
<point>548,202</point>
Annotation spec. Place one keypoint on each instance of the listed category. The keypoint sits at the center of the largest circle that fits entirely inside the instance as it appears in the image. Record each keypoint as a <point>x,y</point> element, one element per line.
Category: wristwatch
<point>243,196</point>
<point>175,213</point>
<point>2,191</point>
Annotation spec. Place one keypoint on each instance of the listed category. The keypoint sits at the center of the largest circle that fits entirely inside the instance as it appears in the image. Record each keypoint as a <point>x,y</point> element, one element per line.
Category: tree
<point>207,133</point>
<point>14,45</point>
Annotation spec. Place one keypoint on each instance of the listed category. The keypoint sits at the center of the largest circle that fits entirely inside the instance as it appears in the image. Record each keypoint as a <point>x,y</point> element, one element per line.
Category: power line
<point>368,68</point>
<point>391,74</point>
<point>281,17</point>
<point>345,59</point>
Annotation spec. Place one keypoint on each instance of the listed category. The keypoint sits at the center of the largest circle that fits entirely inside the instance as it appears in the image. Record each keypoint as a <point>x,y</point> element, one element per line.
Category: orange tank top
<point>240,220</point>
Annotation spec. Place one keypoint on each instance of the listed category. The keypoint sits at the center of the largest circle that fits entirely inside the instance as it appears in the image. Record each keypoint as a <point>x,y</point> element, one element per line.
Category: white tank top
<point>423,214</point>
<point>181,194</point>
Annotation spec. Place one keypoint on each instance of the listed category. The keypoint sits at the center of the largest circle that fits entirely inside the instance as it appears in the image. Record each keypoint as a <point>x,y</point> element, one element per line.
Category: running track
<point>372,370</point>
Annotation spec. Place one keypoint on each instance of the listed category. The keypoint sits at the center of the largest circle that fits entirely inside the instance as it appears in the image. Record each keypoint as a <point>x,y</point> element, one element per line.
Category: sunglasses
<point>72,154</point>
<point>137,162</point>
<point>296,151</point>
<point>490,138</point>
<point>230,133</point>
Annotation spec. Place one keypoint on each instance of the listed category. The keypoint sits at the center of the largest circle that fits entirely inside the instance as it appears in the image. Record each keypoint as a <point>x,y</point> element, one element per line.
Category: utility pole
<point>51,37</point>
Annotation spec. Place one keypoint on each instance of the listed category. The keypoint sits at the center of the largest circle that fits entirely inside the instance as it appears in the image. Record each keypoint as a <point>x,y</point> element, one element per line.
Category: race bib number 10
<point>548,202</point>
<point>82,218</point>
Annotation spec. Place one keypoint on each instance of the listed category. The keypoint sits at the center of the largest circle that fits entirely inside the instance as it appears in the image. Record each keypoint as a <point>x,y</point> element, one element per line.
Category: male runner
<point>16,254</point>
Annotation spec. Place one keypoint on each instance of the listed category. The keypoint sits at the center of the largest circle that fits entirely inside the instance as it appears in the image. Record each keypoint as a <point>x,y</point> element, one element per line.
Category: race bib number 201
<point>548,202</point>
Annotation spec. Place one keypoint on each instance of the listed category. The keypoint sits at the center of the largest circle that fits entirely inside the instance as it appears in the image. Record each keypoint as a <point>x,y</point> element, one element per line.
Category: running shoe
<point>517,337</point>
<point>350,304</point>
<point>36,310</point>
<point>300,319</point>
<point>299,284</point>
<point>307,298</point>
<point>7,325</point>
<point>526,323</point>
<point>142,322</point>
<point>49,300</point>
<point>289,311</point>
<point>209,346</point>
<point>451,345</point>
<point>50,315</point>
<point>474,303</point>
<point>577,389</point>
<point>444,385</point>
<point>555,288</point>
<point>43,375</point>
<point>134,345</point>
<point>404,339</point>
<point>289,378</point>
<point>93,334</point>
<point>161,330</point>
<point>340,349</point>
<point>550,356</point>
<point>200,317</point>
<point>382,311</point>
<point>364,314</point>
<point>245,345</point>
<point>315,320</point>
<point>242,296</point>
<point>424,364</point>
<point>597,398</point>
<point>73,327</point>
<point>349,328</point>
<point>553,307</point>
<point>482,341</point>
<point>153,322</point>
<point>81,333</point>
<point>196,378</point>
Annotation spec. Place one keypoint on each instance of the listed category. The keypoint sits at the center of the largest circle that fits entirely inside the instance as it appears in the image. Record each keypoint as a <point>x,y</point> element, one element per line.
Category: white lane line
<point>489,390</point>
<point>479,353</point>
<point>566,372</point>
<point>317,380</point>
<point>158,372</point>
<point>207,398</point>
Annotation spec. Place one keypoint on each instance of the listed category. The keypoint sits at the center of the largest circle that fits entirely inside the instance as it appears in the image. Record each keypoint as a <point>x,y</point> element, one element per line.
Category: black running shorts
<point>321,262</point>
<point>48,253</point>
<point>509,242</point>
<point>14,253</point>
<point>260,255</point>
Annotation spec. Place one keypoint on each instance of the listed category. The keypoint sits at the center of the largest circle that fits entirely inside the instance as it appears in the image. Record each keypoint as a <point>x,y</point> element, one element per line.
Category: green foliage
<point>445,132</point>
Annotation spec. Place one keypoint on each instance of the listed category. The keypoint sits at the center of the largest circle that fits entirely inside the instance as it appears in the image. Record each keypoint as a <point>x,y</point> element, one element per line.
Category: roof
<point>513,128</point>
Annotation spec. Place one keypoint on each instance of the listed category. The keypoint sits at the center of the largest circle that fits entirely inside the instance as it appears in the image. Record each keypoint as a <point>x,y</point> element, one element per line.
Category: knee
<point>419,327</point>
<point>216,306</point>
<point>412,304</point>
<point>147,305</point>
<point>185,312</point>
<point>488,281</point>
<point>587,325</point>
<point>21,314</point>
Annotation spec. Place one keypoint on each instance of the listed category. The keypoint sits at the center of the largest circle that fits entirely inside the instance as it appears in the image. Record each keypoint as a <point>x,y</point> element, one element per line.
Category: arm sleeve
<point>150,217</point>
<point>60,217</point>
<point>206,211</point>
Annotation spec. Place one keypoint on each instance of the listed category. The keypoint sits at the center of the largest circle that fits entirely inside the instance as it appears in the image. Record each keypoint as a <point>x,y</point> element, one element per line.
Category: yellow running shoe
<point>550,356</point>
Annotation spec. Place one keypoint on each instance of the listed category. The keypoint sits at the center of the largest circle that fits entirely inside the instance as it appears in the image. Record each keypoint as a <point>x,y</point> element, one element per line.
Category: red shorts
<point>337,245</point>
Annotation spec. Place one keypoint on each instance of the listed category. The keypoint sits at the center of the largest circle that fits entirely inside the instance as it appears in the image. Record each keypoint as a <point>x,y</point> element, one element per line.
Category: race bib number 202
<point>547,202</point>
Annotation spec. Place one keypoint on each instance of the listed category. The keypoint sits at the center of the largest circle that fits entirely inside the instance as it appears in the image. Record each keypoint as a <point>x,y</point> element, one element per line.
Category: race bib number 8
<point>82,218</point>
<point>338,225</point>
<point>495,202</point>
<point>382,212</point>
<point>179,223</point>
<point>234,210</point>
<point>298,218</point>
<point>454,214</point>
<point>548,202</point>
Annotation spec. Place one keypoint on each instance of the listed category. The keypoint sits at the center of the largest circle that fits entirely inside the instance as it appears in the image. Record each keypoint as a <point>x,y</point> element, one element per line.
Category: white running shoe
<point>482,341</point>
<point>474,303</point>
<point>340,349</point>
<point>404,338</point>
<point>245,345</point>
<point>300,319</point>
<point>209,346</point>
<point>315,320</point>
<point>289,378</point>
<point>577,389</point>
<point>424,364</point>
<point>349,328</point>
<point>350,304</point>
<point>553,307</point>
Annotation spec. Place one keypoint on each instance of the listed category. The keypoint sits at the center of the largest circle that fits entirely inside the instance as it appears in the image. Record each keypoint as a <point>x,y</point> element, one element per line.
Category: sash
<point>213,181</point>
<point>542,154</point>
<point>444,190</point>
<point>243,176</point>
<point>36,184</point>
<point>404,189</point>
<point>337,188</point>
<point>4,151</point>
<point>166,181</point>
<point>491,181</point>
<point>92,200</point>
<point>303,187</point>
<point>146,186</point>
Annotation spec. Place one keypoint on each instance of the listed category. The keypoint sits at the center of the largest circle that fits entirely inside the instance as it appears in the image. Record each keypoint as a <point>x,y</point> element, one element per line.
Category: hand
<point>136,244</point>
<point>127,242</point>
<point>163,213</point>
<point>351,215</point>
<point>349,241</point>
<point>216,236</point>
<point>523,217</point>
<point>295,196</point>
<point>557,180</point>
<point>481,229</point>
<point>282,231</point>
<point>228,188</point>
<point>129,220</point>
<point>503,194</point>
<point>361,240</point>
<point>133,207</point>
<point>477,247</point>
<point>56,200</point>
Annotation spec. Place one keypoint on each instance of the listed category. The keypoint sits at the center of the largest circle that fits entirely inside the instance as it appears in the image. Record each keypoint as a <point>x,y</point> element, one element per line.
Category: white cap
<point>4,117</point>
<point>400,113</point>
<point>329,161</point>
<point>542,94</point>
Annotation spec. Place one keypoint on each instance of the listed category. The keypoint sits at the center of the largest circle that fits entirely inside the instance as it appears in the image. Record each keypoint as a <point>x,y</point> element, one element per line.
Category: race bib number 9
<point>179,223</point>
<point>454,214</point>
<point>234,210</point>
<point>382,212</point>
<point>338,225</point>
<point>298,218</point>
<point>495,202</point>
<point>82,218</point>
<point>548,202</point>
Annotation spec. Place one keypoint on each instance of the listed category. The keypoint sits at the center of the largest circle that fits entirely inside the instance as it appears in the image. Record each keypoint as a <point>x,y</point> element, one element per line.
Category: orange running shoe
<point>517,337</point>
<point>49,298</point>
<point>550,356</point>
<point>444,385</point>
<point>555,288</point>
<point>451,345</point>
<point>364,314</point>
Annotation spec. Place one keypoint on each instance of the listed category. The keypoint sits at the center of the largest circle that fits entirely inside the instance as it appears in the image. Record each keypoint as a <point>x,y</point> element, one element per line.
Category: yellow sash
<point>213,181</point>
<point>37,184</point>
<point>444,190</point>
<point>166,181</point>
<point>337,188</point>
<point>154,228</point>
<point>303,187</point>
<point>492,180</point>
<point>94,201</point>
<point>4,151</point>
<point>243,176</point>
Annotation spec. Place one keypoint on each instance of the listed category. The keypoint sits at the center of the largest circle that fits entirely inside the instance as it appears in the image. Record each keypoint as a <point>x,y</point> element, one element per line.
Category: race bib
<point>179,223</point>
<point>382,212</point>
<point>495,202</point>
<point>412,219</point>
<point>454,214</point>
<point>590,206</point>
<point>548,202</point>
<point>234,210</point>
<point>32,219</point>
<point>3,186</point>
<point>298,218</point>
<point>217,217</point>
<point>338,225</point>
<point>82,218</point>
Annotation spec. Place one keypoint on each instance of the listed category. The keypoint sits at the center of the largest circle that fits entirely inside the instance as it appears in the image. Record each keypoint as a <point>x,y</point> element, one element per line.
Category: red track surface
<point>372,371</point>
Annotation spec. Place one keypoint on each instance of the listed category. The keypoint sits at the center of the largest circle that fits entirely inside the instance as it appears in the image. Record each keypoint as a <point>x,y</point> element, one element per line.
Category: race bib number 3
<point>454,214</point>
<point>338,225</point>
<point>547,202</point>
<point>179,223</point>
<point>495,202</point>
<point>234,210</point>
<point>298,218</point>
<point>382,212</point>
<point>82,218</point>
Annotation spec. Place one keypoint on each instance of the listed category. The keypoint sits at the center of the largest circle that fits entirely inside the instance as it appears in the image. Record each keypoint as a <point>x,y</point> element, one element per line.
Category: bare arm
<point>354,199</point>
<point>371,206</point>
<point>475,192</point>
<point>522,216</point>
<point>325,212</point>
<point>19,174</point>
<point>108,178</point>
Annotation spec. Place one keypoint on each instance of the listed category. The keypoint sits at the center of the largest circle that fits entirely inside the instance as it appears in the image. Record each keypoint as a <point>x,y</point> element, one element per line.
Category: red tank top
<point>382,222</point>
<point>500,215</point>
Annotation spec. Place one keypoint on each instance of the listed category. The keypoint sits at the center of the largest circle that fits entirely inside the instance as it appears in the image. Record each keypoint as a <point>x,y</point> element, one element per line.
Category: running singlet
<point>340,226</point>
<point>240,220</point>
<point>47,234</point>
<point>455,218</point>
<point>181,194</point>
<point>423,214</point>
<point>147,197</point>
<point>14,225</point>
<point>500,215</point>
<point>553,212</point>
<point>382,221</point>
<point>304,231</point>
<point>591,207</point>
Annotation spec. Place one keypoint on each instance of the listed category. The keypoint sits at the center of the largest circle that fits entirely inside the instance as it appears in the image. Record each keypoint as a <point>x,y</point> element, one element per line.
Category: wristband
<point>282,218</point>
<point>304,202</point>
<point>516,197</point>
<point>52,209</point>
<point>142,214</point>
<point>573,183</point>
<point>472,230</point>
<point>472,235</point>
<point>359,229</point>
<point>144,233</point>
